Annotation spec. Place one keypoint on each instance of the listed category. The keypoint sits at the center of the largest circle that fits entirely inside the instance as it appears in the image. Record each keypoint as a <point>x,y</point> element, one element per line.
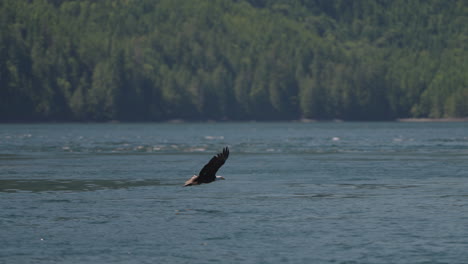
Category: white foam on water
<point>214,137</point>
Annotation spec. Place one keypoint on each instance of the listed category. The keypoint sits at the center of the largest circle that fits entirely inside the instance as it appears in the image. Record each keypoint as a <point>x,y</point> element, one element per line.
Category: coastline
<point>432,120</point>
<point>225,120</point>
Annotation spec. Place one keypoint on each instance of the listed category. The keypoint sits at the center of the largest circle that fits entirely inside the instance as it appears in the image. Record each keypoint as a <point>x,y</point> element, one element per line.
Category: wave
<point>44,185</point>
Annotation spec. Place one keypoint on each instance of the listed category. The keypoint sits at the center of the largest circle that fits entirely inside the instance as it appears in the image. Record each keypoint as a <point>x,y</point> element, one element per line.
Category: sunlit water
<point>295,193</point>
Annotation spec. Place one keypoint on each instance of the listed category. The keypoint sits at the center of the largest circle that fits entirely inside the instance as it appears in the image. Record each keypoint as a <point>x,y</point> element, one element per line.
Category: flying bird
<point>208,172</point>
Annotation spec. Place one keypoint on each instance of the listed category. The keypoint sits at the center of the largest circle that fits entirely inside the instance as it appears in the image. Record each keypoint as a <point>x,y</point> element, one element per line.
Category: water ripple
<point>71,185</point>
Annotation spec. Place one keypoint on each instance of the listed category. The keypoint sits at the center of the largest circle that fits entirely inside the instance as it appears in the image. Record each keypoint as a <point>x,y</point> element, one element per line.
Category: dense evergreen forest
<point>155,60</point>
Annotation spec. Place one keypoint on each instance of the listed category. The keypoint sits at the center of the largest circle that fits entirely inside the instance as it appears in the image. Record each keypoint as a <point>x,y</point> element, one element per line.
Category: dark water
<point>295,193</point>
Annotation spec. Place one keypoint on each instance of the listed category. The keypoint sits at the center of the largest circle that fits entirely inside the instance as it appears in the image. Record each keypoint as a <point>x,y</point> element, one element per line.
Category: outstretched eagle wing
<point>208,173</point>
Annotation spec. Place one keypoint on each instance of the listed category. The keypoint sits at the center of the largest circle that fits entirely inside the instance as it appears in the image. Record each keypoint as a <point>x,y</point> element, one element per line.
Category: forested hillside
<point>153,60</point>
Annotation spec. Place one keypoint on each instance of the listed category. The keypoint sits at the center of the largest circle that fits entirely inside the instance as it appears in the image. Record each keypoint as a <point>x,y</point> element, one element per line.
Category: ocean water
<point>294,193</point>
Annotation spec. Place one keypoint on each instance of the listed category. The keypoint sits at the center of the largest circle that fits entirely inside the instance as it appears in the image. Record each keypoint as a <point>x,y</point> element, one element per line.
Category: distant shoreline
<point>302,120</point>
<point>432,120</point>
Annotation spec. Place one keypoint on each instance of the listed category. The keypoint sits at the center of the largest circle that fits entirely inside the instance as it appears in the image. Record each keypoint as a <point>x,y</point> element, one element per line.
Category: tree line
<point>155,60</point>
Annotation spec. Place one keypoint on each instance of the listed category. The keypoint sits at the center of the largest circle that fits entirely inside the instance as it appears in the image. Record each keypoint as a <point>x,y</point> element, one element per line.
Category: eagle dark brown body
<point>208,172</point>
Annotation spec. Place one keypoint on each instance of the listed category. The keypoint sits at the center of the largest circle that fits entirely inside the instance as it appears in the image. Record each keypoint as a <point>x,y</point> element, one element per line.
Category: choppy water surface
<point>295,193</point>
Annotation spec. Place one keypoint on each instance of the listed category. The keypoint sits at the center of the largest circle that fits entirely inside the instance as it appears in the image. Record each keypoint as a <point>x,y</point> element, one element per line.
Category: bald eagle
<point>208,172</point>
